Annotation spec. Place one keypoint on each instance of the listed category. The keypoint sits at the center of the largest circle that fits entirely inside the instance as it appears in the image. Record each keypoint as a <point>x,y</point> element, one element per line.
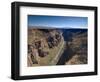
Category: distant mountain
<point>50,27</point>
<point>43,27</point>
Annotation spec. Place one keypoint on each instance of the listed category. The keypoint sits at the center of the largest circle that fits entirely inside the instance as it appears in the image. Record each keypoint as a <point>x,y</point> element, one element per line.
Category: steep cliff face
<point>43,46</point>
<point>57,47</point>
<point>75,51</point>
<point>78,46</point>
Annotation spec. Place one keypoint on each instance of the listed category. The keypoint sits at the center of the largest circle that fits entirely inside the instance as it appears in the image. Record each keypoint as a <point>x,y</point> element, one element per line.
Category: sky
<point>57,21</point>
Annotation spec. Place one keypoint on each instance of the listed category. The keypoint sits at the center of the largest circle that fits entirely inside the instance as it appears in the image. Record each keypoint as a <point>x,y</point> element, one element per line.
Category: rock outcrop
<point>41,45</point>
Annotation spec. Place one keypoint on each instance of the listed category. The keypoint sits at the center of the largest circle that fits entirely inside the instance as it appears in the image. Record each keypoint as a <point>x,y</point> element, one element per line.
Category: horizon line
<point>51,27</point>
